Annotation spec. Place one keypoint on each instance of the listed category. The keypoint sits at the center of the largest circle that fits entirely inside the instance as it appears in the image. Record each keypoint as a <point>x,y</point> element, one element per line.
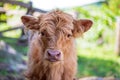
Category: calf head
<point>55,32</point>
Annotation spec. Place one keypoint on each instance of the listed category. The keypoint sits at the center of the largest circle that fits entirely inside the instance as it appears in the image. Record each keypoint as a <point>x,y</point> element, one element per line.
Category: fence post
<point>117,44</point>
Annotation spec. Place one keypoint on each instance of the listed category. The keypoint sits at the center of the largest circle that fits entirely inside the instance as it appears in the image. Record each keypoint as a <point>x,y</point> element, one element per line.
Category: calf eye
<point>69,35</point>
<point>42,33</point>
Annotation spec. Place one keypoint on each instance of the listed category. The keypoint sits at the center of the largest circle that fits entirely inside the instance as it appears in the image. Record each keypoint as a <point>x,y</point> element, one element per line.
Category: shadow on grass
<point>97,67</point>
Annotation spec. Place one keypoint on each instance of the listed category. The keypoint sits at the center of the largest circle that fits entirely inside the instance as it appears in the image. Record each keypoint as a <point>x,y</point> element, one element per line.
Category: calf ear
<point>30,22</point>
<point>81,26</point>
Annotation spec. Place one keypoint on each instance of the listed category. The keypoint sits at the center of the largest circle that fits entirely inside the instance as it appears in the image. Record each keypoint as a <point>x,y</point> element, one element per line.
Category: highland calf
<point>52,53</point>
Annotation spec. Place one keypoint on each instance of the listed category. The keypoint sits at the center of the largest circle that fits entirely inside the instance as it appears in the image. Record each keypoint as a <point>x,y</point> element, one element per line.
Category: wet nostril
<point>48,53</point>
<point>58,55</point>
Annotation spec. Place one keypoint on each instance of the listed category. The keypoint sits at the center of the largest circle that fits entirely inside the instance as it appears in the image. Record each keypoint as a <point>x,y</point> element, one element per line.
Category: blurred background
<point>98,50</point>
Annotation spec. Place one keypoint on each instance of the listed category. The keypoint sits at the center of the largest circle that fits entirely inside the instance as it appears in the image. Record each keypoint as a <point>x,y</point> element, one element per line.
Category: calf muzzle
<point>53,55</point>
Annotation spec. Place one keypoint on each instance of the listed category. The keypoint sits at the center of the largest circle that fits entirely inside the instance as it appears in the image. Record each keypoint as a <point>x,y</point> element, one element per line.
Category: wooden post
<point>117,45</point>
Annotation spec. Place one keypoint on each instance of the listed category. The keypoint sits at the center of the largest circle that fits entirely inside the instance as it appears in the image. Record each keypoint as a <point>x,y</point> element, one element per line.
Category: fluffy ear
<point>81,26</point>
<point>30,22</point>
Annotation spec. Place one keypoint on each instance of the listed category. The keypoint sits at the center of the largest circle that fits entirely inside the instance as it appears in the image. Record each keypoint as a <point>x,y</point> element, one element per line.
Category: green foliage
<point>24,0</point>
<point>114,5</point>
<point>3,17</point>
<point>104,18</point>
<point>12,34</point>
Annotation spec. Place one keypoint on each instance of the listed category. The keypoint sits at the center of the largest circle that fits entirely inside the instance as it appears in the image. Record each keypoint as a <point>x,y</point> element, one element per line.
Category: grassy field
<point>98,61</point>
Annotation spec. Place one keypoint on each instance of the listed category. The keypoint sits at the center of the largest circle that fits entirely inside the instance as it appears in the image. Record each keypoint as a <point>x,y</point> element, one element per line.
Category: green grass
<point>98,61</point>
<point>3,72</point>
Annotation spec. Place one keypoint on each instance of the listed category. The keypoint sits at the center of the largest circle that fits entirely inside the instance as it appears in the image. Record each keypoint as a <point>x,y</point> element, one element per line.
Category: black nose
<point>53,53</point>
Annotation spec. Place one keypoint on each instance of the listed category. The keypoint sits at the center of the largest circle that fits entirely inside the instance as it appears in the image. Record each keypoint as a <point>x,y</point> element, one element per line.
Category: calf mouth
<point>53,60</point>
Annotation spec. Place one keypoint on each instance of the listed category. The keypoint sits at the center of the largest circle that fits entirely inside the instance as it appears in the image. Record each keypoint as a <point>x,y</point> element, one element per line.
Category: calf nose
<point>53,53</point>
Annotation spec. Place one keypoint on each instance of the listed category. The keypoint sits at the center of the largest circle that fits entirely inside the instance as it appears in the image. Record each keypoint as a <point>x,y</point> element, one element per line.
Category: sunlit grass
<point>95,60</point>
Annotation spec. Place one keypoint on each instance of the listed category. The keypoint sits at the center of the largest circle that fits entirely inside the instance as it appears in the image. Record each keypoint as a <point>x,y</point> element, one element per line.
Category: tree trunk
<point>117,45</point>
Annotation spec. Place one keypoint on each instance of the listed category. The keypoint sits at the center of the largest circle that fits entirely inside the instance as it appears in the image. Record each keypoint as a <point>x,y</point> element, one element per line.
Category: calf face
<point>55,32</point>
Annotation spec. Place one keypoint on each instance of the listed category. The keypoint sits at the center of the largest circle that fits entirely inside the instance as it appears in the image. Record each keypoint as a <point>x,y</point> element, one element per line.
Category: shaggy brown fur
<point>55,30</point>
